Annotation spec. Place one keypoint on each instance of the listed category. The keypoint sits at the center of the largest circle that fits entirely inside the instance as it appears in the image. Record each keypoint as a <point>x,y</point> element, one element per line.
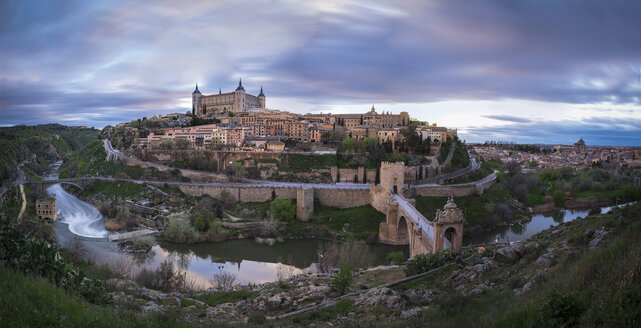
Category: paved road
<point>474,165</point>
<point>415,215</point>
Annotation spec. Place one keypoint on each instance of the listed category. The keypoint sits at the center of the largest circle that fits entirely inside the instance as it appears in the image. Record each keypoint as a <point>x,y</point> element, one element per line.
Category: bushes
<point>343,279</point>
<point>426,262</point>
<point>559,198</point>
<point>560,310</point>
<point>283,209</point>
<point>38,257</point>
<point>396,258</point>
<point>180,231</point>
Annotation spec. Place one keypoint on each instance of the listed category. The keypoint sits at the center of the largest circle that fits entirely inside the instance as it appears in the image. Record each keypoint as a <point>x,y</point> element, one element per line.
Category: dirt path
<point>24,203</point>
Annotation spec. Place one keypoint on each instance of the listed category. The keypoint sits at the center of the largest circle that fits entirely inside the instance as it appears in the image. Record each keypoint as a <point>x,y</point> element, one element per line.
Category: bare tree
<point>223,280</point>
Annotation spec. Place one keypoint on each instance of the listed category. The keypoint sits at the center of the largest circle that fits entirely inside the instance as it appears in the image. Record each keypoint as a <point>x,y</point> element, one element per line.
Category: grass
<point>603,285</point>
<point>361,221</point>
<point>473,207</point>
<point>27,301</point>
<point>304,163</point>
<point>123,189</point>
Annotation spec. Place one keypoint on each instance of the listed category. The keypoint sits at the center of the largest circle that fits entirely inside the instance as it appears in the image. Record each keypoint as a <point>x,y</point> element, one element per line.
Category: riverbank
<point>588,264</point>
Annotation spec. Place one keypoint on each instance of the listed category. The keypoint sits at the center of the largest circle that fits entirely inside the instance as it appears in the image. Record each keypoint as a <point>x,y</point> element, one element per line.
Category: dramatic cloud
<point>102,62</point>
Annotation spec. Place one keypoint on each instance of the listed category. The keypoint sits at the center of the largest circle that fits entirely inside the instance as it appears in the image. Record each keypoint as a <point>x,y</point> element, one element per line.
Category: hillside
<point>48,142</point>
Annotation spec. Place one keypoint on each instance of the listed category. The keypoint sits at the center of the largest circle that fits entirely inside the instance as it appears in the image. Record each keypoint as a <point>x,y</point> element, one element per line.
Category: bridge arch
<point>403,231</point>
<point>450,236</point>
<point>72,184</point>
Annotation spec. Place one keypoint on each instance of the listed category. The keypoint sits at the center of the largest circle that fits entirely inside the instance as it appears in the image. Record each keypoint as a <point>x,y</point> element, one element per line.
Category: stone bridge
<point>405,225</point>
<point>39,186</point>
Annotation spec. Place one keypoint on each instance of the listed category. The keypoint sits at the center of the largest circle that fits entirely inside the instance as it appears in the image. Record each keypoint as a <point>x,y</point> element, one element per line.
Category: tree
<point>348,145</point>
<point>283,209</point>
<point>343,279</point>
<point>167,144</point>
<point>239,170</point>
<point>181,143</point>
<point>370,143</point>
<point>559,198</point>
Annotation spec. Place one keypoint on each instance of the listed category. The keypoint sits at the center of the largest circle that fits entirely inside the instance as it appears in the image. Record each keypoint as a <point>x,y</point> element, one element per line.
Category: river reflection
<point>539,222</point>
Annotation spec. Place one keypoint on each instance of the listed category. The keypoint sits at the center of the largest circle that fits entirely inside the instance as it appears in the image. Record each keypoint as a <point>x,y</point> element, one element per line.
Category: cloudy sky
<point>523,71</point>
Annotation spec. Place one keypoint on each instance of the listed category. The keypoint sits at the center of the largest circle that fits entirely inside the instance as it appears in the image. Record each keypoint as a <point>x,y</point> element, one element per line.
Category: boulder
<point>408,314</point>
<point>152,294</point>
<point>546,260</point>
<point>152,307</point>
<point>503,254</point>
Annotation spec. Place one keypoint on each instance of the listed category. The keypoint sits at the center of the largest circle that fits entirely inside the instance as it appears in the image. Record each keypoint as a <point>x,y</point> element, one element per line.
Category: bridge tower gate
<point>448,228</point>
<point>392,176</point>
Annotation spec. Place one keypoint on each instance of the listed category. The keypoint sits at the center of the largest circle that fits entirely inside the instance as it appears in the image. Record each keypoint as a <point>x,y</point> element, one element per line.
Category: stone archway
<point>450,236</point>
<point>395,189</point>
<point>402,236</point>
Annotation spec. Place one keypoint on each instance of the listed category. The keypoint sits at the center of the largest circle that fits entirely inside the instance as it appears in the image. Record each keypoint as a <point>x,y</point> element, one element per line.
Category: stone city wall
<point>452,190</point>
<point>342,198</point>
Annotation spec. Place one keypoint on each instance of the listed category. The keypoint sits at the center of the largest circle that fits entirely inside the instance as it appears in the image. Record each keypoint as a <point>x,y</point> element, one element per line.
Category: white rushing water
<point>83,218</point>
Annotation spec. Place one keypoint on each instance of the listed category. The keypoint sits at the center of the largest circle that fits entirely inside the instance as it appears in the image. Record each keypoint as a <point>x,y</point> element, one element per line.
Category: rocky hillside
<point>49,143</point>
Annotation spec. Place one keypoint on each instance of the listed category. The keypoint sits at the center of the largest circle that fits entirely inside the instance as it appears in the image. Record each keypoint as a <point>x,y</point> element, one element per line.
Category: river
<point>539,222</point>
<point>248,260</point>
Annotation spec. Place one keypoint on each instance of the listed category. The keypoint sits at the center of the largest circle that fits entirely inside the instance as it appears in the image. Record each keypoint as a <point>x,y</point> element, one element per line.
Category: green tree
<point>348,145</point>
<point>559,198</point>
<point>343,279</point>
<point>283,209</point>
<point>239,170</point>
<point>370,143</point>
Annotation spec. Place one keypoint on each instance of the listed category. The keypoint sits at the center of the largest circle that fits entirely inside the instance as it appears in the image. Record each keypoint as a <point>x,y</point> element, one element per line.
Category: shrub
<point>426,262</point>
<point>144,243</point>
<point>180,231</point>
<point>560,310</point>
<point>283,209</point>
<point>559,198</point>
<point>397,258</point>
<point>200,224</point>
<point>343,279</point>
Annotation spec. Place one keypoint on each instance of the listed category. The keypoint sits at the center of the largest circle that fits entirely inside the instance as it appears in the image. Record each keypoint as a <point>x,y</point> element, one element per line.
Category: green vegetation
<point>214,299</point>
<point>180,231</point>
<point>49,142</point>
<point>396,258</point>
<point>29,301</point>
<point>598,287</point>
<point>591,184</point>
<point>460,157</point>
<point>343,279</point>
<point>304,163</point>
<point>92,161</point>
<point>356,222</point>
<point>283,209</point>
<point>426,262</point>
<point>481,212</point>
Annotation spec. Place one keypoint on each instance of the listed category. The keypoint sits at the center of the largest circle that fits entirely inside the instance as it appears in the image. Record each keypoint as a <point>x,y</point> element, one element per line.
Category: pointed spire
<point>196,91</point>
<point>240,85</point>
<point>220,91</point>
<point>261,94</point>
<point>373,110</point>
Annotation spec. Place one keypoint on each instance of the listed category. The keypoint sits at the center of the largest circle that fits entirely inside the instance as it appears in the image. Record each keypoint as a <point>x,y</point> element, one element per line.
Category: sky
<point>520,71</point>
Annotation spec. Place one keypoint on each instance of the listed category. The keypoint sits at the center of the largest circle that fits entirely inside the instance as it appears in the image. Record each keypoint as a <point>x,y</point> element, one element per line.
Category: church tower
<point>239,97</point>
<point>261,98</point>
<point>195,102</point>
